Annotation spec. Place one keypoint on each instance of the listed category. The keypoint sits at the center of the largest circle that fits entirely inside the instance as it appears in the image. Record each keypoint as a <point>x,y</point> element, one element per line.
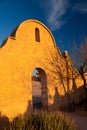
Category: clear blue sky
<point>67,19</point>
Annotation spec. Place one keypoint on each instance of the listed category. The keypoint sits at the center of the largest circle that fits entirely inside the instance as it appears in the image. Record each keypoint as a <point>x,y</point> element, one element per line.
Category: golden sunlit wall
<point>31,45</point>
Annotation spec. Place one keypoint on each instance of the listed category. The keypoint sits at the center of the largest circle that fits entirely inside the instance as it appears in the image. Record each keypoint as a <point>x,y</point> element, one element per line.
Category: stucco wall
<point>20,54</point>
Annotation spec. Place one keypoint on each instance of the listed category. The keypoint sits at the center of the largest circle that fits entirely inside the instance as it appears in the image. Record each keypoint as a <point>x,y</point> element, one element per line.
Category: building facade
<point>31,46</point>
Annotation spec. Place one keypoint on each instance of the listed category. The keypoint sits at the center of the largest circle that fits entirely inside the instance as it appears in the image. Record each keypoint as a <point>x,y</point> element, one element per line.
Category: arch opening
<point>39,89</point>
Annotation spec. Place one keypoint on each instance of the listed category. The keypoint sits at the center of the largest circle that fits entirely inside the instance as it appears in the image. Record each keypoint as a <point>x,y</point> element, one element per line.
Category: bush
<point>43,121</point>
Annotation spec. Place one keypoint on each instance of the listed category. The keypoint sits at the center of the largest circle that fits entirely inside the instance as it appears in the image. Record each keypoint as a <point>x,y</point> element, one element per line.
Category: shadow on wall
<point>29,107</point>
<point>66,103</point>
<point>4,123</point>
<point>69,100</point>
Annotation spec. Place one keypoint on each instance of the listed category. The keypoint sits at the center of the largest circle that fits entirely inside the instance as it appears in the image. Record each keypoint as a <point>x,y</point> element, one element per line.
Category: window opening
<point>37,35</point>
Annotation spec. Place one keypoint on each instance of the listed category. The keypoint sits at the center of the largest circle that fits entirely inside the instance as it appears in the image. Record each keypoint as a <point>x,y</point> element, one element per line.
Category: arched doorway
<point>39,89</point>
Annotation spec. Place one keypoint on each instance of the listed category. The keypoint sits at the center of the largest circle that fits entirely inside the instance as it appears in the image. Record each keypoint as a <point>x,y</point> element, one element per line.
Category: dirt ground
<point>80,120</point>
<point>36,88</point>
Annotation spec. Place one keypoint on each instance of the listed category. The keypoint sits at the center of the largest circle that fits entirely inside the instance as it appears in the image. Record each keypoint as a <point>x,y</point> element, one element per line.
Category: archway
<point>39,89</point>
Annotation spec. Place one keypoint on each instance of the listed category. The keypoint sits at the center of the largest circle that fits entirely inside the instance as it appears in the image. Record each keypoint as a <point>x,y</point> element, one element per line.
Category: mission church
<point>32,46</point>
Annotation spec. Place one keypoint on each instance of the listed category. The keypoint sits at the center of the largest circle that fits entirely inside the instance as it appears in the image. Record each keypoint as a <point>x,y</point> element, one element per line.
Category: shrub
<point>43,121</point>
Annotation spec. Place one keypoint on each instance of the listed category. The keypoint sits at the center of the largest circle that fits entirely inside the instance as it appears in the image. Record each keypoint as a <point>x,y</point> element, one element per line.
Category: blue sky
<point>67,19</point>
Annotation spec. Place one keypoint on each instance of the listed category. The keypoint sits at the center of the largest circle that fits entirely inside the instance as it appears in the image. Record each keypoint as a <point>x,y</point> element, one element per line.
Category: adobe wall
<point>20,54</point>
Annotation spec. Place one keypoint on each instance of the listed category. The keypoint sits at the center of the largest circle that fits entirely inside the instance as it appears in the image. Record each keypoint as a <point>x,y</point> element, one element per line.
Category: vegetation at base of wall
<point>43,121</point>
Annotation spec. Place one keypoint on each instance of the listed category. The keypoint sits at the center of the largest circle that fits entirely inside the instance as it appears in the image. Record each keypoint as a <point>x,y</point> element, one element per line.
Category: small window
<point>37,35</point>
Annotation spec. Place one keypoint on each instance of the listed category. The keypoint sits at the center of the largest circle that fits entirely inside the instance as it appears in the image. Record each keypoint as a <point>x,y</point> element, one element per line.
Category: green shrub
<point>43,121</point>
